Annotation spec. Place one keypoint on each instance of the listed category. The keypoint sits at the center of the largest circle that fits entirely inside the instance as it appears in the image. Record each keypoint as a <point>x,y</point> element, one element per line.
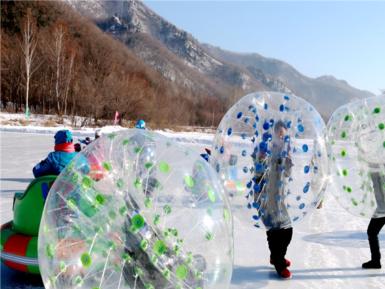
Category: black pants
<point>279,240</point>
<point>374,229</point>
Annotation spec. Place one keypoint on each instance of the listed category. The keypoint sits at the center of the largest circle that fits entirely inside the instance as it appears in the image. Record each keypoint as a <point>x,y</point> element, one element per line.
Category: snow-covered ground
<point>327,248</point>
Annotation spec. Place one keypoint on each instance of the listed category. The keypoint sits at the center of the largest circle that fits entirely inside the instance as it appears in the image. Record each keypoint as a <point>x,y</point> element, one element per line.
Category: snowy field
<point>326,251</point>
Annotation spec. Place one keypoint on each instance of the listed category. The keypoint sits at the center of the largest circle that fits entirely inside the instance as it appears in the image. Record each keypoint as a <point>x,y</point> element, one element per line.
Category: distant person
<point>56,161</point>
<point>141,124</point>
<point>77,147</point>
<point>378,218</point>
<point>272,167</point>
<point>206,155</point>
<point>86,141</point>
<point>98,134</point>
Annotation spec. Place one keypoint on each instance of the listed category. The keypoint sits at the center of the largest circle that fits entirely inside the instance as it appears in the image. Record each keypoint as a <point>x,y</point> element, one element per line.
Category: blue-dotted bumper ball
<point>136,210</point>
<point>270,153</point>
<point>357,155</point>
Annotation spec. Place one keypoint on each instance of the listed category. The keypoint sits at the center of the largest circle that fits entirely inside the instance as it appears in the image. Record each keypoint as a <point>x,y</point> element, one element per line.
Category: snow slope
<point>327,248</point>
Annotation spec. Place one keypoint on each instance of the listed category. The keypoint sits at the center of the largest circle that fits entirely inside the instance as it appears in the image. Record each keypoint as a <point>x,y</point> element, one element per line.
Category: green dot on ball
<point>343,134</point>
<point>50,250</point>
<point>381,126</point>
<point>211,195</point>
<point>148,165</point>
<point>138,183</point>
<point>343,153</point>
<point>209,236</point>
<point>120,183</point>
<point>144,244</point>
<point>377,110</point>
<point>347,117</point>
<point>86,260</point>
<point>100,199</point>
<point>87,182</point>
<point>164,167</point>
<point>189,181</point>
<point>160,248</point>
<point>137,222</point>
<point>345,172</point>
<point>126,142</point>
<point>181,272</point>
<point>156,219</point>
<point>167,209</point>
<point>107,166</point>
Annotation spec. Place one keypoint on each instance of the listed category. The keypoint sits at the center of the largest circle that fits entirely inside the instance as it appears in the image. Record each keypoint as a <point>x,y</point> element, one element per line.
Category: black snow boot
<point>372,264</point>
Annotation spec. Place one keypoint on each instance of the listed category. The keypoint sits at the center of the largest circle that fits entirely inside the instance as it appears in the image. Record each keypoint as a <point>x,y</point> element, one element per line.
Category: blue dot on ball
<point>288,124</point>
<point>287,138</point>
<point>222,150</point>
<point>246,120</point>
<point>245,169</point>
<point>258,167</point>
<point>281,107</point>
<point>305,148</point>
<point>306,169</point>
<point>266,106</point>
<point>295,219</point>
<point>266,136</point>
<point>301,206</point>
<point>266,125</point>
<point>300,128</point>
<point>256,118</point>
<point>244,153</point>
<point>298,198</point>
<point>254,125</point>
<point>239,115</point>
<point>249,184</point>
<point>256,205</point>
<point>257,188</point>
<point>306,187</point>
<point>249,206</point>
<point>229,131</point>
<point>286,97</point>
<point>243,136</point>
<point>256,217</point>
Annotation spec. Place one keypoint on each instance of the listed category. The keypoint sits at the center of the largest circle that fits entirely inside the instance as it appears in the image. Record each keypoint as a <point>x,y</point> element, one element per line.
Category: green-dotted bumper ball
<point>357,155</point>
<point>153,216</point>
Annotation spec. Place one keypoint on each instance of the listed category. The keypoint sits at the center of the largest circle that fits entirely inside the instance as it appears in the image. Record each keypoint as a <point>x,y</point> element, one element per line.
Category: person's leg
<point>278,241</point>
<point>272,242</point>
<point>287,234</point>
<point>374,228</point>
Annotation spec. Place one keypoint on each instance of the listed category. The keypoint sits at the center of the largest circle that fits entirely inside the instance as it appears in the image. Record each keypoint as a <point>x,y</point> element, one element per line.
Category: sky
<point>345,39</point>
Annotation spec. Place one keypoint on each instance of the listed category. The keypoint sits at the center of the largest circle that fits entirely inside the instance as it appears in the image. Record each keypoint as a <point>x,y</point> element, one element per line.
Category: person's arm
<point>43,168</point>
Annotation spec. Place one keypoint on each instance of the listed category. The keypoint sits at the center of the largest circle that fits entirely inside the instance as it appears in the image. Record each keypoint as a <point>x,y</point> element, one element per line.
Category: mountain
<point>326,93</point>
<point>179,57</point>
<point>173,52</point>
<point>80,70</point>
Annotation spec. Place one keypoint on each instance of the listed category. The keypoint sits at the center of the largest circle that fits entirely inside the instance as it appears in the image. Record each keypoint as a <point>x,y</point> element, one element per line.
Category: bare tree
<point>69,75</point>
<point>58,36</point>
<point>28,46</point>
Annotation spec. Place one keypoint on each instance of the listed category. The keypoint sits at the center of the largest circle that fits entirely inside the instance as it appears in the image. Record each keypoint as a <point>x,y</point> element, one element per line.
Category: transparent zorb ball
<point>136,210</point>
<point>270,153</point>
<point>356,133</point>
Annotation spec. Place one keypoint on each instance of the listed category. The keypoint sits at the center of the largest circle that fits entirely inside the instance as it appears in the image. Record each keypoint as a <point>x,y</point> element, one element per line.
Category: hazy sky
<point>345,39</point>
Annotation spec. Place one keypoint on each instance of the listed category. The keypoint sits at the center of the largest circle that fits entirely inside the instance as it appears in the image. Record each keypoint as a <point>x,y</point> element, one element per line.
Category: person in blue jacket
<point>57,160</point>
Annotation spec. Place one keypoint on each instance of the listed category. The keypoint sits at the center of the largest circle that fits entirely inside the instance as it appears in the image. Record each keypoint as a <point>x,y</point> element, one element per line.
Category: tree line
<point>56,62</point>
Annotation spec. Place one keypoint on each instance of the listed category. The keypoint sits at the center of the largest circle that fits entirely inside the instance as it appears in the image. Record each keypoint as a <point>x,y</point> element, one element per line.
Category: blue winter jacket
<point>53,164</point>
